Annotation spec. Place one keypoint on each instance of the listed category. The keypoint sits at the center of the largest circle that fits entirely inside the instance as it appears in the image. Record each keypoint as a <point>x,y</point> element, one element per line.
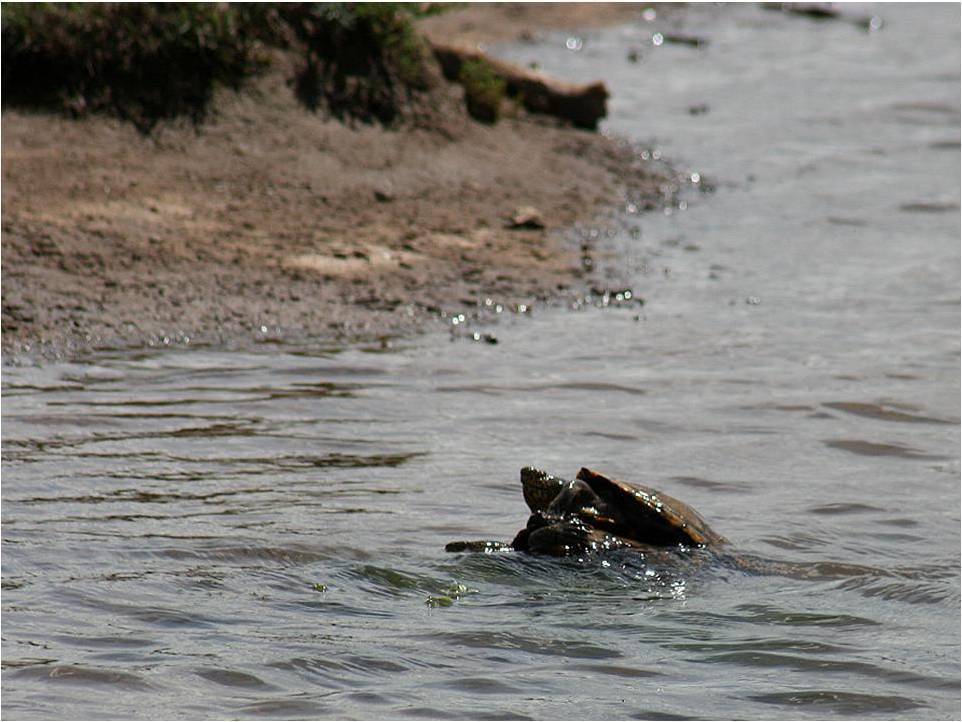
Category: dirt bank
<point>474,23</point>
<point>270,221</point>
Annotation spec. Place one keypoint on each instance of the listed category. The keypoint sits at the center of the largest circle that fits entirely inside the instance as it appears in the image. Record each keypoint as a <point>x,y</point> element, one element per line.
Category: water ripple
<point>841,702</point>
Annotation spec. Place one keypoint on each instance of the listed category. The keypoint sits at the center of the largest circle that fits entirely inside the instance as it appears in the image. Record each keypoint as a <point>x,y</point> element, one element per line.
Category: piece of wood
<point>582,105</point>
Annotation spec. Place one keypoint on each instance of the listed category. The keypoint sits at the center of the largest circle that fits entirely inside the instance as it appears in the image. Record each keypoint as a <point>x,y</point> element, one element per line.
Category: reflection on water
<point>197,533</point>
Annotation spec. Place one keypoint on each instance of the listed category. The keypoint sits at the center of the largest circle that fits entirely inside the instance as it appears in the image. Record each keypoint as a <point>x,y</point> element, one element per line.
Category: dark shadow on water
<point>869,448</point>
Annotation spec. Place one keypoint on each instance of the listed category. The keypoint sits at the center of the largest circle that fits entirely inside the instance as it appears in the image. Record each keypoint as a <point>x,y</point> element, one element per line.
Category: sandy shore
<point>270,221</point>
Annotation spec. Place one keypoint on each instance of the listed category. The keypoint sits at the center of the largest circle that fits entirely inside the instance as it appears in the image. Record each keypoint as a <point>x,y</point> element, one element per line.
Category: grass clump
<point>362,60</point>
<point>140,61</point>
<point>145,62</point>
<point>483,90</point>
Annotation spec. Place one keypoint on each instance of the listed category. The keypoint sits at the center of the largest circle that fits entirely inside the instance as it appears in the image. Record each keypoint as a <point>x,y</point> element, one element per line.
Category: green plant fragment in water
<point>449,595</point>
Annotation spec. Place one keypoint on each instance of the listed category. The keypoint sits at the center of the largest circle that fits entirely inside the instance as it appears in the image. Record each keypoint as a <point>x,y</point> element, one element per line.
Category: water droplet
<point>263,329</point>
<point>753,300</point>
<point>875,23</point>
<point>683,206</point>
<point>631,208</point>
<point>574,43</point>
<point>649,15</point>
<point>696,178</point>
<point>657,39</point>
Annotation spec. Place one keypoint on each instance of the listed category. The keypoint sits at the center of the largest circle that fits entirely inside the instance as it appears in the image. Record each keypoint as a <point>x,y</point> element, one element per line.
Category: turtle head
<point>540,488</point>
<point>561,536</point>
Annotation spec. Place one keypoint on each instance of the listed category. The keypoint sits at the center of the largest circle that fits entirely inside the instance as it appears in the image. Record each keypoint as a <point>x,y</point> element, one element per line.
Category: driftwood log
<point>582,105</point>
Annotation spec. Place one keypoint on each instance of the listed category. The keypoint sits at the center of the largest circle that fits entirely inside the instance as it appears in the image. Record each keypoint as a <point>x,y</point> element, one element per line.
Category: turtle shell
<point>642,514</point>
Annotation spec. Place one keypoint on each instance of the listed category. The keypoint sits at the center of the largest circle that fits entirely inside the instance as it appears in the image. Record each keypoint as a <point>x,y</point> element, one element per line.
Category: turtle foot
<point>488,547</point>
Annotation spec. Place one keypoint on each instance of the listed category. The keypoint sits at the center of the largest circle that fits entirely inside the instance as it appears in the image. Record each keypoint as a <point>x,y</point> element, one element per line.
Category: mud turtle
<point>596,513</point>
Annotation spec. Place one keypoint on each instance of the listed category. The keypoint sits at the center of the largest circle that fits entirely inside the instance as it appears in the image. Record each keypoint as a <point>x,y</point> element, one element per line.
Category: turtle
<point>596,513</point>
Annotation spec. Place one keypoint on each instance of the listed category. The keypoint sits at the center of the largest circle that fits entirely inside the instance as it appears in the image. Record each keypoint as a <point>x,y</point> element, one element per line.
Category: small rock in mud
<point>526,217</point>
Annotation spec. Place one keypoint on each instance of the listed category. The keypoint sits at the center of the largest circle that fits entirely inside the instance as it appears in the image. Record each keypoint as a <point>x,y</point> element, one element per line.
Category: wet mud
<point>270,223</point>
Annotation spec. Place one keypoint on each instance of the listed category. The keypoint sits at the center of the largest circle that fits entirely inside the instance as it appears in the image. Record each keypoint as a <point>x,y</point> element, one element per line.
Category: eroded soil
<point>272,221</point>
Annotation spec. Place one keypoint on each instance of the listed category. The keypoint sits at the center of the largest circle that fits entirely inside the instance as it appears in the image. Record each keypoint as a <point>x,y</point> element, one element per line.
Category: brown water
<point>793,374</point>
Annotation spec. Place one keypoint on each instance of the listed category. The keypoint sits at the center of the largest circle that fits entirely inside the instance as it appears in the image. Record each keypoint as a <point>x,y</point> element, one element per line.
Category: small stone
<point>527,217</point>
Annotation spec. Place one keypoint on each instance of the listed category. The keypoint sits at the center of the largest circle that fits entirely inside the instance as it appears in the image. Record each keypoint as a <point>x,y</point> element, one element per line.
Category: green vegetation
<point>449,595</point>
<point>141,62</point>
<point>483,90</point>
<point>362,61</point>
<point>145,62</point>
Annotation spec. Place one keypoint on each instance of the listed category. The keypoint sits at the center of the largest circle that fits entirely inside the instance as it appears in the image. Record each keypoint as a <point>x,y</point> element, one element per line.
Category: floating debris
<point>449,595</point>
<point>608,298</point>
<point>827,11</point>
<point>693,41</point>
<point>486,337</point>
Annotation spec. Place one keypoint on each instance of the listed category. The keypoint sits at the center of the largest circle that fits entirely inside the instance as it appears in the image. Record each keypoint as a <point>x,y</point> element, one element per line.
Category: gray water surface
<point>200,533</point>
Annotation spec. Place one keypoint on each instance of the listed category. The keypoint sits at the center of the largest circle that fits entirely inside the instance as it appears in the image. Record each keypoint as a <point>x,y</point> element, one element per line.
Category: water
<point>195,533</point>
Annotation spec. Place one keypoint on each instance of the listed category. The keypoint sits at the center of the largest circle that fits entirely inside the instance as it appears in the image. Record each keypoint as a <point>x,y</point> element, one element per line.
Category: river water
<point>201,533</point>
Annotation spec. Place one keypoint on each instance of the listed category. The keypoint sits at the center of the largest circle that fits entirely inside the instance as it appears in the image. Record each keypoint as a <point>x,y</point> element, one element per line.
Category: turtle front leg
<point>488,547</point>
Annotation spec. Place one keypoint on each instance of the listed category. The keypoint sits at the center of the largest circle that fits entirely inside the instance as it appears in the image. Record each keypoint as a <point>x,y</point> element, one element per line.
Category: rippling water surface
<point>191,533</point>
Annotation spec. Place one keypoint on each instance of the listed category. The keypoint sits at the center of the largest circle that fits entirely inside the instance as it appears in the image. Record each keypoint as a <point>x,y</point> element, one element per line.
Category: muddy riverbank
<point>269,221</point>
